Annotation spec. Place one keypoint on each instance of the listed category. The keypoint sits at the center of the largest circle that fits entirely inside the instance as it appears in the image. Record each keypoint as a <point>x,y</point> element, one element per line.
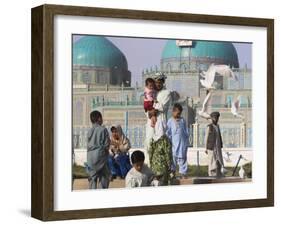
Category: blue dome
<point>98,51</point>
<point>219,50</point>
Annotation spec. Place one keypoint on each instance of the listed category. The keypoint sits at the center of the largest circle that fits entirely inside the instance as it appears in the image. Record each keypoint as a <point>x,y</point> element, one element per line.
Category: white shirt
<point>135,178</point>
<point>162,105</point>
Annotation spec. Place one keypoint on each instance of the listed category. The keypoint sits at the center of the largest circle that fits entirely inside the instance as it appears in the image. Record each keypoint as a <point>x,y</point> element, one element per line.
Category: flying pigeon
<point>203,112</point>
<point>225,70</point>
<point>235,107</point>
<point>209,75</point>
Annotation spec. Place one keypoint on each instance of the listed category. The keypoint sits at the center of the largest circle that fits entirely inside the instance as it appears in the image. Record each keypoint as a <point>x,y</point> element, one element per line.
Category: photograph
<point>140,112</point>
<point>150,112</point>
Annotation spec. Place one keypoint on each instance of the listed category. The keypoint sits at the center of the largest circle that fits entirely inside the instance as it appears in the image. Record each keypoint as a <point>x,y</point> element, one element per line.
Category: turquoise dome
<point>219,50</point>
<point>98,51</point>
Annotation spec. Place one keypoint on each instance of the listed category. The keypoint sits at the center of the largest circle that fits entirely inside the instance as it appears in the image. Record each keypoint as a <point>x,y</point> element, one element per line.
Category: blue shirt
<point>178,135</point>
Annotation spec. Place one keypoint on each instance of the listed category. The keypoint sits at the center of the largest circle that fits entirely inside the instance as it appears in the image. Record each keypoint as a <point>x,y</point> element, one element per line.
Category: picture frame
<point>42,170</point>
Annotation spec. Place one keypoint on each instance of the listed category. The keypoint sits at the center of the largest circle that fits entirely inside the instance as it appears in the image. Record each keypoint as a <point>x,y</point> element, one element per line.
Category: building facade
<point>102,81</point>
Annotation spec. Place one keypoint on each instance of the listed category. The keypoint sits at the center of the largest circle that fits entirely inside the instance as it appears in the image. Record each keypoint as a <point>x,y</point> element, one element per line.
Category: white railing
<point>195,156</point>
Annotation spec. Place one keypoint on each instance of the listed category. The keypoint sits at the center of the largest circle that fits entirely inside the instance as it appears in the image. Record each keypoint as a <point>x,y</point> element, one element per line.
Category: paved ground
<point>82,184</point>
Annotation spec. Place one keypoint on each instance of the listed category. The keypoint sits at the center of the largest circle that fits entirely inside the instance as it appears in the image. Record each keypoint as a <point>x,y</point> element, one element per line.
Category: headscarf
<point>123,142</point>
<point>120,132</point>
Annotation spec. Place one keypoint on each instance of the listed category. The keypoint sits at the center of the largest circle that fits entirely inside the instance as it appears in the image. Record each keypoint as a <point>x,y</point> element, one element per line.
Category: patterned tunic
<point>160,158</point>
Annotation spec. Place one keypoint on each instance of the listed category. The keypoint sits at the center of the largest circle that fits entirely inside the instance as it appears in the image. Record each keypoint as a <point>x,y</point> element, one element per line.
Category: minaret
<point>195,133</point>
<point>243,134</point>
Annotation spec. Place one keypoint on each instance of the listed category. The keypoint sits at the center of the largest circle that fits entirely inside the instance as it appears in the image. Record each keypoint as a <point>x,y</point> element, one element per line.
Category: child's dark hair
<point>137,156</point>
<point>177,106</point>
<point>149,80</point>
<point>113,128</point>
<point>95,116</point>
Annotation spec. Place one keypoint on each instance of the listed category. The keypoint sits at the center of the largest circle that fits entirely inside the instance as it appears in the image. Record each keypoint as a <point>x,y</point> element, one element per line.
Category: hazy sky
<point>142,53</point>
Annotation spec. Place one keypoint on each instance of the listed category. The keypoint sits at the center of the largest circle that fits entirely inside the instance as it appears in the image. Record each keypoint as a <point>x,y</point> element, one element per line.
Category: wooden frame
<point>42,202</point>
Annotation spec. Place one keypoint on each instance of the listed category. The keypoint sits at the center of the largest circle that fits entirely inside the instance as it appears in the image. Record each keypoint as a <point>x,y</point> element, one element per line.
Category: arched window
<point>229,100</point>
<point>183,68</point>
<point>243,101</point>
<point>203,67</point>
<point>78,113</point>
<point>86,78</point>
<point>115,73</point>
<point>168,67</point>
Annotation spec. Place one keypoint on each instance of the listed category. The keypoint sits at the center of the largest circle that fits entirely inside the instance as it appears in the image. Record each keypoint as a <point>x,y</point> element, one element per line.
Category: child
<point>149,100</point>
<point>119,162</point>
<point>140,175</point>
<point>97,152</point>
<point>177,133</point>
<point>214,147</point>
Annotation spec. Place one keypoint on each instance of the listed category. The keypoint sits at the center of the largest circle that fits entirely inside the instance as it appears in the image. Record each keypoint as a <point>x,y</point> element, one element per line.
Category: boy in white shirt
<point>139,175</point>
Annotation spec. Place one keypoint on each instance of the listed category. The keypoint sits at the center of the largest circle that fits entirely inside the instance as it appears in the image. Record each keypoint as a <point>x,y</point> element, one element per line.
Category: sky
<point>142,53</point>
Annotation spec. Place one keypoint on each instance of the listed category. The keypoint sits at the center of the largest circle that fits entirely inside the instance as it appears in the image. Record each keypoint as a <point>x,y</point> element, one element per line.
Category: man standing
<point>98,142</point>
<point>214,147</point>
<point>159,146</point>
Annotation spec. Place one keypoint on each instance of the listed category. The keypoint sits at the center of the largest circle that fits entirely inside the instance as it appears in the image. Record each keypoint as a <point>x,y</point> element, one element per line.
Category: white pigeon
<point>224,170</point>
<point>235,107</point>
<point>209,75</point>
<point>242,173</point>
<point>227,156</point>
<point>225,70</point>
<point>203,112</point>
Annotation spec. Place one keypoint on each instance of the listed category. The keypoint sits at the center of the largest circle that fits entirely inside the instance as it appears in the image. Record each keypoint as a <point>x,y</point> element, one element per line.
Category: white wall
<point>15,111</point>
<point>192,156</point>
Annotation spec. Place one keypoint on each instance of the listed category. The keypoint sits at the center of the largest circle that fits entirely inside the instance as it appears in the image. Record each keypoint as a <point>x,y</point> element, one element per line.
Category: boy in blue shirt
<point>178,135</point>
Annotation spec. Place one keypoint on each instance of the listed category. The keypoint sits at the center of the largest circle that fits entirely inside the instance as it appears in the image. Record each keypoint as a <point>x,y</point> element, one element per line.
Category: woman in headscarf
<point>119,162</point>
<point>158,144</point>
